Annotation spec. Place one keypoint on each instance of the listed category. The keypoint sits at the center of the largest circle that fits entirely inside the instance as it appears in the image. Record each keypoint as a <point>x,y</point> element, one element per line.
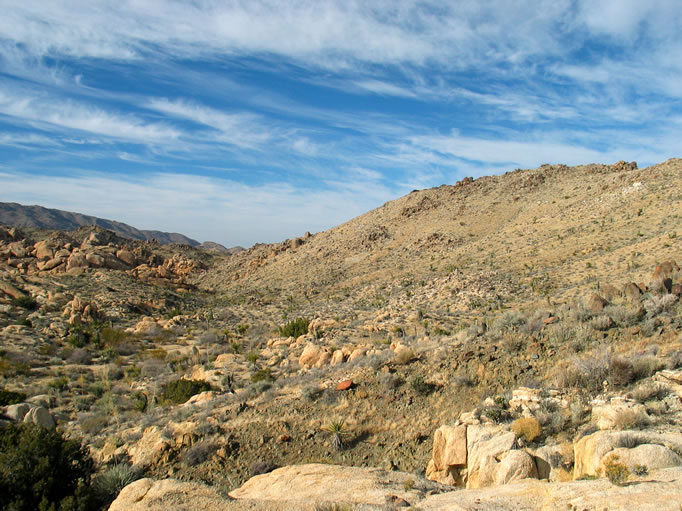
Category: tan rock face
<point>450,447</point>
<point>76,260</point>
<point>127,257</point>
<point>310,356</point>
<point>301,486</point>
<point>11,291</point>
<point>652,456</point>
<point>515,466</point>
<point>485,444</point>
<point>149,449</point>
<point>591,451</point>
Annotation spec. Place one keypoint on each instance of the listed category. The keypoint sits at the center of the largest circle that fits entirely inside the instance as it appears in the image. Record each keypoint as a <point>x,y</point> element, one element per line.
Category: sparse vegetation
<point>527,428</point>
<point>179,391</point>
<point>294,328</point>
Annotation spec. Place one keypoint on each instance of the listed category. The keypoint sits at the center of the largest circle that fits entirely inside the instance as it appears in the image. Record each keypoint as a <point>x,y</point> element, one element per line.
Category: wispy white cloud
<point>240,129</point>
<point>44,110</point>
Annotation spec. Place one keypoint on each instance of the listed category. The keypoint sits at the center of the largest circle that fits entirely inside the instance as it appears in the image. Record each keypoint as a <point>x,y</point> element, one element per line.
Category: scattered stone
<point>344,385</point>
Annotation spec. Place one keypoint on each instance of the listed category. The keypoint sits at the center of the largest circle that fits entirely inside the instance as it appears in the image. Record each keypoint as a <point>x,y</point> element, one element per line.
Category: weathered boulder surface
<point>307,487</point>
<point>591,450</point>
<point>328,484</point>
<point>660,491</point>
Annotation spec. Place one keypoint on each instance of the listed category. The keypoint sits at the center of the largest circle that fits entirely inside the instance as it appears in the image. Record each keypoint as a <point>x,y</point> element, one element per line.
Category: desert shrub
<point>404,356</point>
<point>261,467</point>
<point>649,391</point>
<point>199,452</point>
<point>560,334</point>
<point>420,386</point>
<point>640,470</point>
<point>80,356</point>
<point>645,366</point>
<point>390,381</point>
<point>621,371</point>
<point>113,336</point>
<point>496,413</point>
<point>294,328</point>
<point>24,321</point>
<point>602,322</point>
<point>262,375</point>
<point>109,483</point>
<point>8,397</point>
<point>527,427</point>
<point>252,356</point>
<point>94,423</point>
<point>257,388</point>
<point>179,391</point>
<point>25,302</point>
<point>59,383</point>
<point>629,418</point>
<point>311,392</point>
<point>657,304</point>
<point>510,321</point>
<point>587,372</point>
<point>616,471</point>
<point>39,469</point>
<point>622,316</point>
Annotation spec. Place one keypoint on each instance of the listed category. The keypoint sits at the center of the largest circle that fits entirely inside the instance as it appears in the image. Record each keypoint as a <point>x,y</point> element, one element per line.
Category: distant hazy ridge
<point>13,214</point>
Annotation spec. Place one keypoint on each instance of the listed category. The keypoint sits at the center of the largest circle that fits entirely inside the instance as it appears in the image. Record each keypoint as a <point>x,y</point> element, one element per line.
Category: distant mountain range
<point>13,214</point>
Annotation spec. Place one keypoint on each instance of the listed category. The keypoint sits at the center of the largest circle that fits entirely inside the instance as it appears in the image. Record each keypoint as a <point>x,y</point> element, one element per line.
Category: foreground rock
<point>306,487</point>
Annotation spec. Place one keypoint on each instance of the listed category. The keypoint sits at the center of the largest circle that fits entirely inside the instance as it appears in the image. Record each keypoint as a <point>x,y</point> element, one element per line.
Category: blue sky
<point>255,121</point>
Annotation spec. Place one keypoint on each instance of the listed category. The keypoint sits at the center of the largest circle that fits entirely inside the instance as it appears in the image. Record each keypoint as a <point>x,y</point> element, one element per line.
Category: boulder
<point>18,411</point>
<point>312,485</point>
<point>127,257</point>
<point>10,290</point>
<point>609,292</point>
<point>485,445</point>
<point>76,260</point>
<point>43,251</point>
<point>620,415</point>
<point>337,358</point>
<point>147,328</point>
<point>149,495</point>
<point>150,448</point>
<point>514,466</point>
<point>356,354</point>
<point>596,303</point>
<point>651,456</point>
<point>94,260</point>
<point>632,292</point>
<point>309,357</point>
<point>40,416</point>
<point>450,447</point>
<point>592,449</point>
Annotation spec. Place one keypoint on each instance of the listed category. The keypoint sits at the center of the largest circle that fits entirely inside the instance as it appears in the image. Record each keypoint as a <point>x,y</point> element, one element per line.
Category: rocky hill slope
<point>513,326</point>
<point>18,215</point>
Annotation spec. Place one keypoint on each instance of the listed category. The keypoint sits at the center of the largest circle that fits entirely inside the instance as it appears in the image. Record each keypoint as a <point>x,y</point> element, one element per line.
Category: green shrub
<point>109,483</point>
<point>421,387</point>
<point>25,302</point>
<point>24,321</point>
<point>262,375</point>
<point>616,471</point>
<point>40,470</point>
<point>294,328</point>
<point>179,391</point>
<point>8,397</point>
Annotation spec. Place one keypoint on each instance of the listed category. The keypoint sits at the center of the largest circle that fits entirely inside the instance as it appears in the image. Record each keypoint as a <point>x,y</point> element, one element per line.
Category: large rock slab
<point>320,484</point>
<point>590,450</point>
<point>660,491</point>
<point>485,445</point>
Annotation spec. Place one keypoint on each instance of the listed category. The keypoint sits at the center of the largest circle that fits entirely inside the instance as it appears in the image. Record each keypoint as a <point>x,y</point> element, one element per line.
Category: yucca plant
<point>337,428</point>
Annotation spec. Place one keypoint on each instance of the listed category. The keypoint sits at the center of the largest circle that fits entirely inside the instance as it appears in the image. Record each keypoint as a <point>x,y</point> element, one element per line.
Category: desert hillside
<point>519,326</point>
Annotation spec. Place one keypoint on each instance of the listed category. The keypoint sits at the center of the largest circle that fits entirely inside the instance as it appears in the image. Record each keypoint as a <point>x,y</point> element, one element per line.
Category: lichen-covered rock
<point>41,417</point>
